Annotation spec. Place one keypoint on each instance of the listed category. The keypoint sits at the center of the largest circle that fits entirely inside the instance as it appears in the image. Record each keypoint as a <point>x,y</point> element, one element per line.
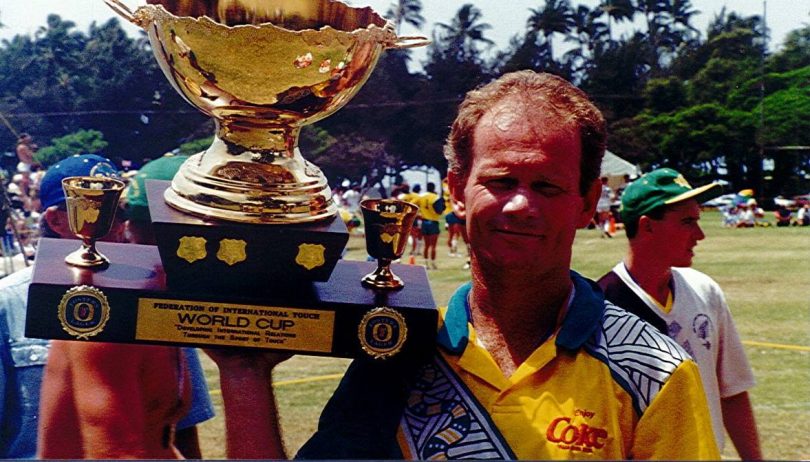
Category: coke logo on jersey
<point>582,437</point>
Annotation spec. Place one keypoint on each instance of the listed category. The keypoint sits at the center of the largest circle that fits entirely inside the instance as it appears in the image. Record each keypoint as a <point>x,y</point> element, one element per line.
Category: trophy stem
<point>258,137</point>
<point>87,256</point>
<point>382,277</point>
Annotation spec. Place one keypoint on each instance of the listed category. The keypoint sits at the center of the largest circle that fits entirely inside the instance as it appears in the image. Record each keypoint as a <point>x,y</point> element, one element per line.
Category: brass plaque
<point>232,324</point>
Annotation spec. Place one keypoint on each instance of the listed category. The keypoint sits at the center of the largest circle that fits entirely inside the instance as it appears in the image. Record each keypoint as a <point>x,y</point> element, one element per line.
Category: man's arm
<point>738,418</point>
<point>251,416</point>
<point>677,425</point>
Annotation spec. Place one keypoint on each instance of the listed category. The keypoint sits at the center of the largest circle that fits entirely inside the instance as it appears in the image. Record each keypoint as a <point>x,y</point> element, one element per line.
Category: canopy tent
<point>615,168</point>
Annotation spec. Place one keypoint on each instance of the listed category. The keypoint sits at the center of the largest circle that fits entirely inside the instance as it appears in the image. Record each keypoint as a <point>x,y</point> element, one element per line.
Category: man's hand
<point>232,359</point>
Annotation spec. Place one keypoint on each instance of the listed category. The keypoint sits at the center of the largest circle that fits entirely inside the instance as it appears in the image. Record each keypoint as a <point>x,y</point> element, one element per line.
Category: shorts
<point>430,227</point>
<point>452,219</point>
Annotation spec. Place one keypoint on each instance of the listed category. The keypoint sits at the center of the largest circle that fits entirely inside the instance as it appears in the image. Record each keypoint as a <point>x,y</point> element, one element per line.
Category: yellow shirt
<point>595,389</point>
<point>425,203</point>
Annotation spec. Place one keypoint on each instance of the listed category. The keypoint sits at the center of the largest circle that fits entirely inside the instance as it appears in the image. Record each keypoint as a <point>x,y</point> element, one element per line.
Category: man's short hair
<point>545,91</point>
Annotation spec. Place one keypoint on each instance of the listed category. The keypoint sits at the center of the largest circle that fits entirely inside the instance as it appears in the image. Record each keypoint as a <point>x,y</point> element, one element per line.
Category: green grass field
<point>763,271</point>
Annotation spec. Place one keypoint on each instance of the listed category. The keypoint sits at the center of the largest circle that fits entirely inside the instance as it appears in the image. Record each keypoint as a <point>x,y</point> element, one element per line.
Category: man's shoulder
<point>14,289</point>
<point>641,358</point>
<point>698,281</point>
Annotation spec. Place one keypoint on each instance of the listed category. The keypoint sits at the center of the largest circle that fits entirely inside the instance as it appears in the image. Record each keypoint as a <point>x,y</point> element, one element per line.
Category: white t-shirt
<point>701,323</point>
<point>604,199</point>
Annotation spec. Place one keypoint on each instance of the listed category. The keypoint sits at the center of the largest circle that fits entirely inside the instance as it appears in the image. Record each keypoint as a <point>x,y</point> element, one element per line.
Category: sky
<point>507,17</point>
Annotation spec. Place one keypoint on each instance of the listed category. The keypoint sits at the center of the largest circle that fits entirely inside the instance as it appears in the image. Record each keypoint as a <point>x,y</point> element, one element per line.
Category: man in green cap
<point>139,224</point>
<point>661,211</point>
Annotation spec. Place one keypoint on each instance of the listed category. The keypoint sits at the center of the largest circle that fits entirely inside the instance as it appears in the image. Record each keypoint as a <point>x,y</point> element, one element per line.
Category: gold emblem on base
<point>311,256</point>
<point>191,248</point>
<point>382,332</point>
<point>232,251</point>
<point>83,311</point>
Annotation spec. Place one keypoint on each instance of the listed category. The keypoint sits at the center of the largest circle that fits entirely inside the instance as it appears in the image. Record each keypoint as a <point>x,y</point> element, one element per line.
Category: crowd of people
<point>532,360</point>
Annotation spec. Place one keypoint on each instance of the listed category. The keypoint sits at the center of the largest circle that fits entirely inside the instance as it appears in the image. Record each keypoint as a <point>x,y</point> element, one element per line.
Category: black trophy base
<point>129,302</point>
<point>218,254</point>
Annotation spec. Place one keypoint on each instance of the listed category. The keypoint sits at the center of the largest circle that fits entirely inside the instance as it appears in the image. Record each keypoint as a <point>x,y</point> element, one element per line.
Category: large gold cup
<point>262,69</point>
<point>91,205</point>
<point>388,224</point>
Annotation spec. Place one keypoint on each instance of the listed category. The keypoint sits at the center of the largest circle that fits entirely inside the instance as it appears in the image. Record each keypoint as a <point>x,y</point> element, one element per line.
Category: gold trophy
<point>91,205</point>
<point>262,69</point>
<point>388,224</point>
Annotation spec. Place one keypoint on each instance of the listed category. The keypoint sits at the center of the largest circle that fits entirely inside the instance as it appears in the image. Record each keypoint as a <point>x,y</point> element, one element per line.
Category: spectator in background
<point>430,216</point>
<point>803,215</point>
<point>25,154</point>
<point>603,209</point>
<point>412,196</point>
<point>783,215</point>
<point>655,281</point>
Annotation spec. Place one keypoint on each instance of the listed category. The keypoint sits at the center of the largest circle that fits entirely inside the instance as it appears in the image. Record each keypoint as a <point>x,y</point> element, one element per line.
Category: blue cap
<point>50,188</point>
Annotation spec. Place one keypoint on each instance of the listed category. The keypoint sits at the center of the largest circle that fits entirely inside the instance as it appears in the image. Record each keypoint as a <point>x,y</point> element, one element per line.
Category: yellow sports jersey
<point>411,197</point>
<point>604,385</point>
<point>425,204</point>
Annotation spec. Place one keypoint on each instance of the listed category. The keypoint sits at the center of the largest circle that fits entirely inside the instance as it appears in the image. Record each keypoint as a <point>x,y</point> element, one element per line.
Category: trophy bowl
<point>262,69</point>
<point>91,205</point>
<point>387,225</point>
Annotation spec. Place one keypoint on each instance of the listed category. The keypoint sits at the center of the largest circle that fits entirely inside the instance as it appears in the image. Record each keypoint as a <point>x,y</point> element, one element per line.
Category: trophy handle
<point>124,11</point>
<point>401,43</point>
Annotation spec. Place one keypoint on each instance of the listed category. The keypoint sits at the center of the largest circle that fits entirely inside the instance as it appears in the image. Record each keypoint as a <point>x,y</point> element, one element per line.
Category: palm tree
<point>681,13</point>
<point>555,16</point>
<point>589,33</point>
<point>618,10</point>
<point>409,11</point>
<point>465,32</point>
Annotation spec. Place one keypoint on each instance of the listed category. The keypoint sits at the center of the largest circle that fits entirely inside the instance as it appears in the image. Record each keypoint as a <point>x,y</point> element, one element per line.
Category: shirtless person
<point>105,400</point>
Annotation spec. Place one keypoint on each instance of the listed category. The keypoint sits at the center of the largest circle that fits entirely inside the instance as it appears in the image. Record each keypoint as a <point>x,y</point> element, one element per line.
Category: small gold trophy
<point>91,205</point>
<point>388,223</point>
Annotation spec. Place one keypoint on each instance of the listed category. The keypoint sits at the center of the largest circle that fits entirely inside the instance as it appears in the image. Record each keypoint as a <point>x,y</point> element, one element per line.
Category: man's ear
<point>645,224</point>
<point>456,186</point>
<point>589,201</point>
<point>58,221</point>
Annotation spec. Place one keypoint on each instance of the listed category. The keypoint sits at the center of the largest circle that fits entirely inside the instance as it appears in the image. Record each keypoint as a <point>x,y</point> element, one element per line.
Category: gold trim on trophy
<point>192,248</point>
<point>232,251</point>
<point>382,332</point>
<point>311,256</point>
<point>83,312</point>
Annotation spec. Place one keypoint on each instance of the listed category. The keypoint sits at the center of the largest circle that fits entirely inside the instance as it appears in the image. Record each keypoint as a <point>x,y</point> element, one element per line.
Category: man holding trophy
<point>529,361</point>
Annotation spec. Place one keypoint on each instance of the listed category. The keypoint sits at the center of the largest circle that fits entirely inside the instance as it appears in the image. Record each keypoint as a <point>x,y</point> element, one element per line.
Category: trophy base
<point>382,278</point>
<point>129,302</point>
<point>83,257</point>
<point>227,255</point>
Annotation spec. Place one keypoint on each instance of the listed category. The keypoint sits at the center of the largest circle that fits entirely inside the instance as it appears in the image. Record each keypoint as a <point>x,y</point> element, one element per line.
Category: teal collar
<point>580,323</point>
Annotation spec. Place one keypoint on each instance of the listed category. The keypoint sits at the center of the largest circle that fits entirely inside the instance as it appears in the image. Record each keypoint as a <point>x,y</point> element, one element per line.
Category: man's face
<point>677,233</point>
<point>521,198</point>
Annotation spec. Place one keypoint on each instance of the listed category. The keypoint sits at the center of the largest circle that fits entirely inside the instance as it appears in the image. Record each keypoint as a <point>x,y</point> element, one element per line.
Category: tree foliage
<point>80,142</point>
<point>713,104</point>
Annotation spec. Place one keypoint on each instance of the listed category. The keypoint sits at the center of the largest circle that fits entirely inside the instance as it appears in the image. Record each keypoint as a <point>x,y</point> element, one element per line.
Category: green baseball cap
<point>661,187</point>
<point>162,168</point>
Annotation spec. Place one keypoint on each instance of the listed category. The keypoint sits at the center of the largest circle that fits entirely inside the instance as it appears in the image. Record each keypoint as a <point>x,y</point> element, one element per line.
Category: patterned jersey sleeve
<point>681,403</point>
